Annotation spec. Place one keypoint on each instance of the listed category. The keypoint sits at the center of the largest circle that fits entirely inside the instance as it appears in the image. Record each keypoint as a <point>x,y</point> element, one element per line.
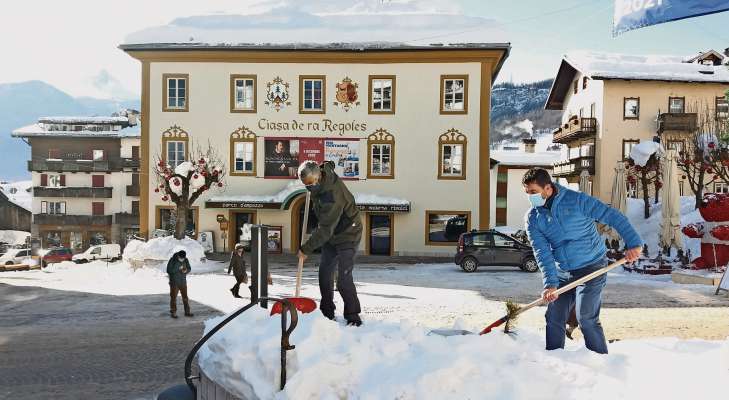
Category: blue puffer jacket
<point>564,236</point>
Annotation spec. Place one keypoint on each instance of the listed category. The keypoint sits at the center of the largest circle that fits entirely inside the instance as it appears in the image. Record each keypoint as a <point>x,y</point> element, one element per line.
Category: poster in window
<point>281,158</point>
<point>345,155</point>
<point>445,228</point>
<point>274,243</point>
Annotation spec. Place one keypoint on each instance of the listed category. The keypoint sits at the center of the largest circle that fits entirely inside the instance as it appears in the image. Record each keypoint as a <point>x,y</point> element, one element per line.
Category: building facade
<point>13,216</point>
<point>612,102</point>
<point>85,174</point>
<point>407,127</point>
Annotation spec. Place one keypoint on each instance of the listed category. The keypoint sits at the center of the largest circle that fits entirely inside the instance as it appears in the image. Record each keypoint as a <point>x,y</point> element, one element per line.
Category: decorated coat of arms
<point>346,94</point>
<point>277,94</point>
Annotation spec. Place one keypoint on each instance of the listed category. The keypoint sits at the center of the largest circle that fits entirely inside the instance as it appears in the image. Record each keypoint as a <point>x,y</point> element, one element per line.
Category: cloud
<point>109,86</point>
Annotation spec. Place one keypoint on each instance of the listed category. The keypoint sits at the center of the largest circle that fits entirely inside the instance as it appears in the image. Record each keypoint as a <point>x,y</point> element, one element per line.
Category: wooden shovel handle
<point>304,226</point>
<point>573,285</point>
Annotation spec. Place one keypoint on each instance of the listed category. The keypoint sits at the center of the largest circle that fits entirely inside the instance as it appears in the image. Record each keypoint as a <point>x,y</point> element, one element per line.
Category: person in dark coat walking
<point>338,235</point>
<point>177,269</point>
<point>238,266</point>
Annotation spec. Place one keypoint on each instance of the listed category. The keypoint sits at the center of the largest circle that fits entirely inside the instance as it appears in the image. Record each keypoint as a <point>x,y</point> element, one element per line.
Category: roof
<point>521,158</point>
<point>606,66</point>
<point>83,120</point>
<point>36,130</point>
<point>704,55</point>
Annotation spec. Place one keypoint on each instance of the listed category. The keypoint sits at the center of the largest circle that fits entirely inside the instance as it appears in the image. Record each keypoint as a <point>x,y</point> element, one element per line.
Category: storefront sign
<point>384,207</point>
<point>284,155</point>
<point>242,204</point>
<point>325,125</point>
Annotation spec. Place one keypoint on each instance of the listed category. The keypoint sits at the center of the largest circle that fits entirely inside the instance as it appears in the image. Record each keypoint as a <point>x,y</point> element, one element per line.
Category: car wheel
<point>469,264</point>
<point>530,265</point>
<point>9,263</point>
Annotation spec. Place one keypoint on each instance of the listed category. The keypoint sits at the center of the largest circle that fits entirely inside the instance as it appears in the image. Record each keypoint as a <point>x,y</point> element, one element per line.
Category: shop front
<point>75,237</point>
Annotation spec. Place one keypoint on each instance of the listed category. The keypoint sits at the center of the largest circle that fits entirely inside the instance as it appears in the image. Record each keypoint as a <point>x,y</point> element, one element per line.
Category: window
<point>54,181</point>
<point>97,238</point>
<point>176,92</point>
<point>135,152</point>
<point>581,113</point>
<point>135,207</point>
<point>721,187</point>
<point>381,150</point>
<point>445,227</point>
<point>453,94</point>
<point>97,155</point>
<point>97,208</point>
<point>574,87</point>
<point>243,93</point>
<point>479,240</point>
<point>97,181</point>
<point>53,207</point>
<point>502,241</point>
<point>452,155</point>
<point>382,94</point>
<point>631,108</point>
<point>243,152</point>
<point>584,82</point>
<point>722,108</point>
<point>628,145</point>
<point>632,190</point>
<point>175,152</point>
<point>312,97</point>
<point>592,110</point>
<point>677,105</point>
<point>166,219</point>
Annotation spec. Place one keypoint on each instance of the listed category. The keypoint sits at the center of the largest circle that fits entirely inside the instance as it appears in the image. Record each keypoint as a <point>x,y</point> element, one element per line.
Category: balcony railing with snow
<point>574,166</point>
<point>686,122</point>
<point>575,128</point>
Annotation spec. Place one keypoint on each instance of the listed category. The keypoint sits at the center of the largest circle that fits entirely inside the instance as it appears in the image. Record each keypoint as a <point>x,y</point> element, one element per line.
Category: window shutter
<point>44,180</point>
<point>44,207</point>
<point>62,207</point>
<point>97,181</point>
<point>135,152</point>
<point>63,180</point>
<point>97,208</point>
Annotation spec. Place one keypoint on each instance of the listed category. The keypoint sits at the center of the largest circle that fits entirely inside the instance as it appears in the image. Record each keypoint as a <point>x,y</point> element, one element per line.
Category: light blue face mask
<point>537,200</point>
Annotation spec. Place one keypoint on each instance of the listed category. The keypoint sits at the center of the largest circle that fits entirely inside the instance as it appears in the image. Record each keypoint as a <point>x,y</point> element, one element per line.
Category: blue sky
<point>73,44</point>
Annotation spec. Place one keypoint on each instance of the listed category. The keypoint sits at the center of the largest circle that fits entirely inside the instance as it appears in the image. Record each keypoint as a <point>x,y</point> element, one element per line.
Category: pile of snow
<point>646,67</point>
<point>390,360</point>
<point>641,152</point>
<point>649,228</point>
<point>161,249</point>
<point>13,237</point>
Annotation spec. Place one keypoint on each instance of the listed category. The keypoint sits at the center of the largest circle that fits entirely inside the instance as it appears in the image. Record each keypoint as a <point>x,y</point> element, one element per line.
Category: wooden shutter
<point>44,179</point>
<point>63,180</point>
<point>97,208</point>
<point>135,179</point>
<point>135,152</point>
<point>135,208</point>
<point>97,181</point>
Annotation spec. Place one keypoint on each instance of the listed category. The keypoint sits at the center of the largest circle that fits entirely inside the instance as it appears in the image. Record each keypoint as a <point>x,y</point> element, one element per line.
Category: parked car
<point>14,256</point>
<point>56,255</point>
<point>111,252</point>
<point>491,247</point>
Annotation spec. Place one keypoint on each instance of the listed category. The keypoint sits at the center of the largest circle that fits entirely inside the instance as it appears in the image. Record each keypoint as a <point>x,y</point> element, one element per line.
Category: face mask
<point>181,258</point>
<point>537,200</point>
<point>313,188</point>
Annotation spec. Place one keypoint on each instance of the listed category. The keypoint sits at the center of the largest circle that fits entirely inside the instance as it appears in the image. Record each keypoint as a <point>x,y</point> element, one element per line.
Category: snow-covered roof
<point>83,120</point>
<point>38,130</point>
<point>705,54</point>
<point>522,158</point>
<point>21,196</point>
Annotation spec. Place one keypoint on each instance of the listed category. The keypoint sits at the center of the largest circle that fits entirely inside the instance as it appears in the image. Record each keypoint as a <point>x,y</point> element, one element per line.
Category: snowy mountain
<point>512,104</point>
<point>24,102</point>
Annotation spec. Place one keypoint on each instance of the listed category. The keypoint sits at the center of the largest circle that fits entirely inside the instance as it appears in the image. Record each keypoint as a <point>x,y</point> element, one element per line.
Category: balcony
<point>682,122</point>
<point>83,220</point>
<point>574,167</point>
<point>74,165</point>
<point>126,219</point>
<point>575,128</point>
<point>130,163</point>
<point>73,192</point>
<point>133,190</point>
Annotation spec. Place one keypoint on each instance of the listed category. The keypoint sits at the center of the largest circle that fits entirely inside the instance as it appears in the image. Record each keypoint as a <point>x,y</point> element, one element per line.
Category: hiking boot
<point>173,315</point>
<point>189,314</point>
<point>568,331</point>
<point>354,322</point>
<point>329,316</point>
<point>235,294</point>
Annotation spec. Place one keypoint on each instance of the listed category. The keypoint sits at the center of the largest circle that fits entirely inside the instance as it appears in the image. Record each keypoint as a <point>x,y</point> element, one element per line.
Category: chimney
<point>529,145</point>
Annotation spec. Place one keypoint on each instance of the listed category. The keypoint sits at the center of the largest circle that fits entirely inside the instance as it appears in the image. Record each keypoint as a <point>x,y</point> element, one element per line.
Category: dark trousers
<point>173,298</point>
<point>342,256</point>
<point>238,280</point>
<point>587,300</point>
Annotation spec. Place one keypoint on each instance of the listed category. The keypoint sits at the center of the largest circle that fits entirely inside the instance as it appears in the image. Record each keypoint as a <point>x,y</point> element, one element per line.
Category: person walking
<point>238,265</point>
<point>177,269</point>
<point>561,228</point>
<point>338,235</point>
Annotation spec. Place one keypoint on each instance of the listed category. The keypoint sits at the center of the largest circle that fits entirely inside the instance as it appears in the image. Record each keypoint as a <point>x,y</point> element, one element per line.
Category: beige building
<point>611,102</point>
<point>407,126</point>
<point>85,179</point>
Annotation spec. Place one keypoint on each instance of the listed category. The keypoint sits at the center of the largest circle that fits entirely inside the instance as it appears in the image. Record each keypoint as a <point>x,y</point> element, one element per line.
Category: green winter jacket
<point>177,271</point>
<point>338,215</point>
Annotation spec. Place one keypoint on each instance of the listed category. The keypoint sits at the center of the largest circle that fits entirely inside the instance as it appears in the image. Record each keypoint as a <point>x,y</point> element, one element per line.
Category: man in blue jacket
<point>561,229</point>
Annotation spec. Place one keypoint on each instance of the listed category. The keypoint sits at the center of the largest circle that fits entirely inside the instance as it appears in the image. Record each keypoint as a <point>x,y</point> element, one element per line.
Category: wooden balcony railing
<point>575,128</point>
<point>61,219</point>
<point>574,167</point>
<point>686,122</point>
<point>73,192</point>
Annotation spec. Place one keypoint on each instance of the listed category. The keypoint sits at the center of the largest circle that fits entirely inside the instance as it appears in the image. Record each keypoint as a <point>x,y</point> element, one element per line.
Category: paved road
<point>70,345</point>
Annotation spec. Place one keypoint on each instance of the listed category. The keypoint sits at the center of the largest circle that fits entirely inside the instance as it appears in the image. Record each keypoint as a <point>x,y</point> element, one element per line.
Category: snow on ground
<point>649,228</point>
<point>13,237</point>
<point>399,360</point>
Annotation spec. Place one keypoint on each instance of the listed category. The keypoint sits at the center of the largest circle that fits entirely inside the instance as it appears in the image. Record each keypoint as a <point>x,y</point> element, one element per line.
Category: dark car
<point>57,255</point>
<point>491,247</point>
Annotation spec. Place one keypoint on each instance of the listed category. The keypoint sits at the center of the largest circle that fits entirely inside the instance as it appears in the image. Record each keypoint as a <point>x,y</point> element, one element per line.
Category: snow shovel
<point>513,310</point>
<point>303,304</point>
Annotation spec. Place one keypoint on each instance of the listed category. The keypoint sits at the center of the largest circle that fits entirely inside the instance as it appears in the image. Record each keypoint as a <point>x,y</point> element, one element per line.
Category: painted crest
<point>277,94</point>
<point>346,94</point>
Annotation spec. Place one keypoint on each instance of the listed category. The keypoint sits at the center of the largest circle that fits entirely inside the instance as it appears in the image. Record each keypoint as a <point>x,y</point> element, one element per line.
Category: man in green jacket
<point>177,269</point>
<point>338,235</point>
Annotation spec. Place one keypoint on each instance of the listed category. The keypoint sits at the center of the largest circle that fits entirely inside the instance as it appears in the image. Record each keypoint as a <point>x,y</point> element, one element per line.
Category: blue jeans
<point>587,299</point>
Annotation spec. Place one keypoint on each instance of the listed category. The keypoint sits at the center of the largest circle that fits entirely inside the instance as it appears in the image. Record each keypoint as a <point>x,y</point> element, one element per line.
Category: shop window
<point>97,238</point>
<point>176,92</point>
<point>628,145</point>
<point>312,94</point>
<point>381,155</point>
<point>52,239</point>
<point>243,93</point>
<point>445,227</point>
<point>382,94</point>
<point>452,155</point>
<point>243,152</point>
<point>453,94</point>
<point>76,241</point>
<point>676,105</point>
<point>631,108</point>
<point>167,218</point>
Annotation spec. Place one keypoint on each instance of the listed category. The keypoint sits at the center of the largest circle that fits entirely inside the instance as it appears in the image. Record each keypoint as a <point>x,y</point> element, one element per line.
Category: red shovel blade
<point>303,304</point>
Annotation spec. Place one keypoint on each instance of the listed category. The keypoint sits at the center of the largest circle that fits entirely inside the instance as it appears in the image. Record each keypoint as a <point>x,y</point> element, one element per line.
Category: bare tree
<point>186,182</point>
<point>647,175</point>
